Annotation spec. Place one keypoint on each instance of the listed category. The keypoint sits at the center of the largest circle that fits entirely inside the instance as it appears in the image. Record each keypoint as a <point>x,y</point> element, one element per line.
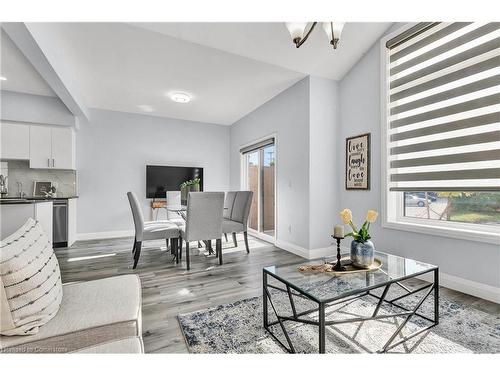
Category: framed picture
<point>40,188</point>
<point>357,162</point>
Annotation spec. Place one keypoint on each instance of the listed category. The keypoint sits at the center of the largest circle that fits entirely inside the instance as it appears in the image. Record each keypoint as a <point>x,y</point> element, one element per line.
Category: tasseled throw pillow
<point>31,288</point>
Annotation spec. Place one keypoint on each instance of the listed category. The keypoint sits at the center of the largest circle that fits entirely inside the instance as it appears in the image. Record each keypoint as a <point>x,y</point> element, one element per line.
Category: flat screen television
<point>160,179</point>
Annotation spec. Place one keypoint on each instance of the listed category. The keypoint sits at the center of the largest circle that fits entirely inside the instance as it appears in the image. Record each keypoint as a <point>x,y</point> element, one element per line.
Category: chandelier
<point>297,30</point>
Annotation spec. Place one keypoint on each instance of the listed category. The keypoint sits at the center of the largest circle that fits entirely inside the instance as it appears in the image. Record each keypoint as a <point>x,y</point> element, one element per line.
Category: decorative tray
<point>346,262</point>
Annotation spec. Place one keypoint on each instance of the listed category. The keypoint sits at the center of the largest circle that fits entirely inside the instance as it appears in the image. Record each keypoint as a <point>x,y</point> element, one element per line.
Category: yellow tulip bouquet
<point>362,234</point>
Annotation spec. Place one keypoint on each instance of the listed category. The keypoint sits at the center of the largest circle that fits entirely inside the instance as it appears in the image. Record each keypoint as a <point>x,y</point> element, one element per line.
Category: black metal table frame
<point>342,298</point>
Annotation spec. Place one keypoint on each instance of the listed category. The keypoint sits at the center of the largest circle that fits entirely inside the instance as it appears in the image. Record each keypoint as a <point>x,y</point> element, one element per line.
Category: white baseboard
<point>329,251</point>
<point>473,288</point>
<point>459,284</point>
<point>294,249</point>
<point>104,235</point>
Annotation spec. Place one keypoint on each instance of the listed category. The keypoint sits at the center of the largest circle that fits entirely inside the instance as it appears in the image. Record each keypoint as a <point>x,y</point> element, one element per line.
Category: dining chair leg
<point>218,246</point>
<point>137,253</point>
<point>179,258</point>
<point>133,247</point>
<point>167,245</point>
<point>187,255</point>
<point>174,243</point>
<point>234,240</point>
<point>225,236</point>
<point>245,237</point>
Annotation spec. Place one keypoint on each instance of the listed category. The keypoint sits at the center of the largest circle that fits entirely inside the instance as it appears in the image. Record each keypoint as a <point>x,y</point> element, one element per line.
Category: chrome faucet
<point>20,189</point>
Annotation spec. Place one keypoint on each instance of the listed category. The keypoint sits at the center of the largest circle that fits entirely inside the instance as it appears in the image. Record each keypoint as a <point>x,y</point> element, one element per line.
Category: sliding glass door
<point>259,176</point>
<point>253,168</point>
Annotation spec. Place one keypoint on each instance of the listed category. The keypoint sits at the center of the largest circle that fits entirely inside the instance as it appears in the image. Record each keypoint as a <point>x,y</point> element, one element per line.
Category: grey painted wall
<point>112,153</point>
<point>360,113</point>
<point>305,121</point>
<point>323,169</point>
<point>34,108</point>
<point>287,115</point>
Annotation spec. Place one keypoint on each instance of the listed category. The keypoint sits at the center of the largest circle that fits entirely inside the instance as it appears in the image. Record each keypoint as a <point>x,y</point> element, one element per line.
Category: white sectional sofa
<point>98,316</point>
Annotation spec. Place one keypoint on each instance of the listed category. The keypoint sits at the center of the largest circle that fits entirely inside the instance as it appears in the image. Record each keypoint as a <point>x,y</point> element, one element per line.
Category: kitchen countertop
<point>31,200</point>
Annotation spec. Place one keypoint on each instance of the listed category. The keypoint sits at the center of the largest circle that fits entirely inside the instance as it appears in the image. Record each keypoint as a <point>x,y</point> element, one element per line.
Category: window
<point>473,207</point>
<point>441,129</point>
<point>259,176</point>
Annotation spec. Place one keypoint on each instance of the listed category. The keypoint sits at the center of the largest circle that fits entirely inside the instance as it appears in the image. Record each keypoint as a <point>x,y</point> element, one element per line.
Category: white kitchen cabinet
<point>44,215</point>
<point>71,221</point>
<point>15,141</point>
<point>40,147</point>
<point>13,216</point>
<point>63,148</point>
<point>52,147</point>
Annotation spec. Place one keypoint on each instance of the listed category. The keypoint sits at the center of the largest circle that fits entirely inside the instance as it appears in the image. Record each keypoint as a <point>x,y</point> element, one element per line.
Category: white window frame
<point>392,207</point>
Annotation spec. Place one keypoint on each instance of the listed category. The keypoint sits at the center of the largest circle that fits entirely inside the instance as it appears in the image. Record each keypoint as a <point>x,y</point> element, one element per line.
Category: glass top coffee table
<point>327,289</point>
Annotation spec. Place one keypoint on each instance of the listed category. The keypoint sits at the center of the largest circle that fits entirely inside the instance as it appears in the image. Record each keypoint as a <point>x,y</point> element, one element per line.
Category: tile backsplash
<point>19,171</point>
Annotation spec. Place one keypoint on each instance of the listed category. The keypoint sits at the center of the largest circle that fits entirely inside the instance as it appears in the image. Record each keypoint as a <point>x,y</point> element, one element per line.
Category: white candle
<point>338,231</point>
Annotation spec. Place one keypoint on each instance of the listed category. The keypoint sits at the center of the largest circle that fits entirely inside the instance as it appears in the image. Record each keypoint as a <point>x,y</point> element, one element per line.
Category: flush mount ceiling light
<point>180,97</point>
<point>3,79</point>
<point>299,35</point>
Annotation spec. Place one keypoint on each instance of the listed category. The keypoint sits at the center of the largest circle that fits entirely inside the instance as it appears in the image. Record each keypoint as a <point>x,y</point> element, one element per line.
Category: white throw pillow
<point>31,288</point>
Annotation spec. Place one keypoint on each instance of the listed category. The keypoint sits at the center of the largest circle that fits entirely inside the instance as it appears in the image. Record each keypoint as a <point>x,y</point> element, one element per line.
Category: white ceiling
<point>229,68</point>
<point>20,74</point>
<point>271,43</point>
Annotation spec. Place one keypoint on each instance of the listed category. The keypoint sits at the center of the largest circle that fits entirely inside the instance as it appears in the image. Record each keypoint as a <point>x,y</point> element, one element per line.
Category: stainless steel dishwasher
<point>60,224</point>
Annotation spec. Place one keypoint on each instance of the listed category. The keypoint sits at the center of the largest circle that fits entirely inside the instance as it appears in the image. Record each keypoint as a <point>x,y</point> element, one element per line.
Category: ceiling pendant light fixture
<point>298,29</point>
<point>333,31</point>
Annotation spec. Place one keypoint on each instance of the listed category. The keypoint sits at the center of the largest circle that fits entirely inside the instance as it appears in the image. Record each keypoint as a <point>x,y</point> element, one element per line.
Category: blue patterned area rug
<point>237,328</point>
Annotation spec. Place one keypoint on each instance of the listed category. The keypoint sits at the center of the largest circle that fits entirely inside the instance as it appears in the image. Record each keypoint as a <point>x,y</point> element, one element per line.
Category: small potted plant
<point>362,249</point>
<point>187,186</point>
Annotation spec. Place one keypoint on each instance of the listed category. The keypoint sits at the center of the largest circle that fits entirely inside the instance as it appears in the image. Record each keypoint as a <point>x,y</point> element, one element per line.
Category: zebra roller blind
<point>444,108</point>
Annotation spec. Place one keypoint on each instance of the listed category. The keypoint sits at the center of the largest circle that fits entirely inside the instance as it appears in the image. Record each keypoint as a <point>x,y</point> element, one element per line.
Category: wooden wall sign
<point>357,162</point>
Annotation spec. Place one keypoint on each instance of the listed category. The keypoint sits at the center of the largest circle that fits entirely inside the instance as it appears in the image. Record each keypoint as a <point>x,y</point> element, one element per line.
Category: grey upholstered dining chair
<point>203,221</point>
<point>150,230</point>
<point>238,218</point>
<point>228,207</point>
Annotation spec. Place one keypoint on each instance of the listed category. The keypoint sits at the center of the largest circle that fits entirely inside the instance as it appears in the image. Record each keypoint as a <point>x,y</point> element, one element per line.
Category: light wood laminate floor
<point>168,289</point>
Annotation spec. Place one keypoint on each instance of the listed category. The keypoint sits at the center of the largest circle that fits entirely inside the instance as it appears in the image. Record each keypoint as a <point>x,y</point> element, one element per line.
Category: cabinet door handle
<point>53,163</point>
<point>48,163</point>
